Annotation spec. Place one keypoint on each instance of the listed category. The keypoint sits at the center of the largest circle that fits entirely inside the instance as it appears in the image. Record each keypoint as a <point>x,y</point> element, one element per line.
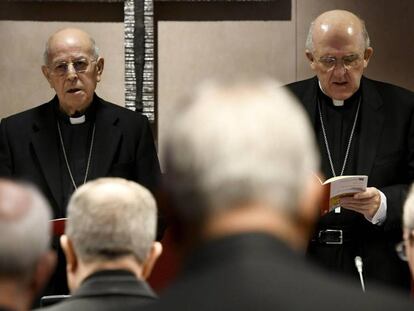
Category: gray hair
<point>24,228</point>
<point>110,218</point>
<point>309,39</point>
<point>239,143</point>
<point>408,214</point>
<point>94,50</point>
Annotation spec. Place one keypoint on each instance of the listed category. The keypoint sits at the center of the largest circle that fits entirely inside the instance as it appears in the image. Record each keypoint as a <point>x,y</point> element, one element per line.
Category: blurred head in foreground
<point>240,157</point>
<point>26,260</point>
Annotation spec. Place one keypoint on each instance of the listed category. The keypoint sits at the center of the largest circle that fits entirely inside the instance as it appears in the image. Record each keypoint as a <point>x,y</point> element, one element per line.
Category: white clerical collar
<point>336,102</point>
<point>77,120</point>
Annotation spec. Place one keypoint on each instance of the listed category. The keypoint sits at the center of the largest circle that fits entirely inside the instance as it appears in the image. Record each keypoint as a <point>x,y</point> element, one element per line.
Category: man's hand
<point>366,203</point>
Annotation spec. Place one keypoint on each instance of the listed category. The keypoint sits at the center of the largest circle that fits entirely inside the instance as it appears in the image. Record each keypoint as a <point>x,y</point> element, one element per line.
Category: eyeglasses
<point>62,68</point>
<point>349,62</point>
<point>401,250</point>
<point>401,247</point>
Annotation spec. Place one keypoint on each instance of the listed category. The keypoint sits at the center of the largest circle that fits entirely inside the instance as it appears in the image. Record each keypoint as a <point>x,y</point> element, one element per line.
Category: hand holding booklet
<point>337,187</point>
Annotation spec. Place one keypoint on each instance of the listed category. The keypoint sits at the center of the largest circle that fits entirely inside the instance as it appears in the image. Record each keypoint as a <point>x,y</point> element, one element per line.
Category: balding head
<point>337,26</point>
<point>24,229</point>
<point>73,68</point>
<point>338,50</point>
<point>73,37</point>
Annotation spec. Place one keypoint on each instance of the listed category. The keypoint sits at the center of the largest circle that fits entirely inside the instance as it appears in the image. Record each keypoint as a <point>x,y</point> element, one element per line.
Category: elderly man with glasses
<point>363,127</point>
<point>77,136</point>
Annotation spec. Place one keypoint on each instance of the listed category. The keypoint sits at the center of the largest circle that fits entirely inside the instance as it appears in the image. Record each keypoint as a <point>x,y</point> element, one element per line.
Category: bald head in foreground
<point>363,127</point>
<point>26,260</point>
<point>241,159</point>
<point>110,247</point>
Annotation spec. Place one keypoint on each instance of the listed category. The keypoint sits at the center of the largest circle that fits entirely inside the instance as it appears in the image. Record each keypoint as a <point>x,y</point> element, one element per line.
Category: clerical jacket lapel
<point>310,99</point>
<point>373,119</point>
<point>107,139</point>
<point>372,122</point>
<point>45,144</point>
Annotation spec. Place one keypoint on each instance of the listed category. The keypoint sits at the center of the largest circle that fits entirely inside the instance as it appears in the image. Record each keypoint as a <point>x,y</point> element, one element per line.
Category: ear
<point>43,270</point>
<point>367,56</point>
<point>153,255</point>
<point>99,68</point>
<point>309,205</point>
<point>46,73</point>
<point>311,59</point>
<point>72,262</point>
<point>70,255</point>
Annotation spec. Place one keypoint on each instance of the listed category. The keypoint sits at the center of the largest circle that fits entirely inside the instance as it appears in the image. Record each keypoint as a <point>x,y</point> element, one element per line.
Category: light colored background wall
<point>22,84</point>
<point>188,52</point>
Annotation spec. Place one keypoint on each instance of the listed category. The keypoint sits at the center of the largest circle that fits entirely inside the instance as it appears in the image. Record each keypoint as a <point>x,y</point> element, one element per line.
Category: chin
<point>341,95</point>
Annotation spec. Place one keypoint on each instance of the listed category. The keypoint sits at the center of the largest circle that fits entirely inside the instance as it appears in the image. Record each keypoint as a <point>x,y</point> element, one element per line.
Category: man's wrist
<point>381,214</point>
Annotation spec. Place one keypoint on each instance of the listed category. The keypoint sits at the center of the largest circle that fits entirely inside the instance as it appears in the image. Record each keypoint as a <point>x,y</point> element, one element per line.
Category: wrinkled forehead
<point>343,37</point>
<point>63,46</point>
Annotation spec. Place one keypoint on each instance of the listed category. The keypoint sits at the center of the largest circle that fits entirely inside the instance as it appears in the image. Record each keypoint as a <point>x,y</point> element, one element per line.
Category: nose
<point>339,69</point>
<point>71,73</point>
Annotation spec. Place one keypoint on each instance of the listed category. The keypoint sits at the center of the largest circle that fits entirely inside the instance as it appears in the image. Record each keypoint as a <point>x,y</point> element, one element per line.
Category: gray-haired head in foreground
<point>24,229</point>
<point>309,39</point>
<point>408,215</point>
<point>110,218</point>
<point>239,143</point>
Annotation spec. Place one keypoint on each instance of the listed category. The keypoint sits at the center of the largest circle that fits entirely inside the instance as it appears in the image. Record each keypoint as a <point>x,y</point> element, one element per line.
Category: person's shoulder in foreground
<point>283,281</point>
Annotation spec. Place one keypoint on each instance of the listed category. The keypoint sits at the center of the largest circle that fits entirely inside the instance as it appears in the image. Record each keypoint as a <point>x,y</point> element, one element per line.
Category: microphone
<point>358,265</point>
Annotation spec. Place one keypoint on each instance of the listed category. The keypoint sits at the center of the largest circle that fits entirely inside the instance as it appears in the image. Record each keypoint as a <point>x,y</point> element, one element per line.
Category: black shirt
<point>338,122</point>
<point>77,141</point>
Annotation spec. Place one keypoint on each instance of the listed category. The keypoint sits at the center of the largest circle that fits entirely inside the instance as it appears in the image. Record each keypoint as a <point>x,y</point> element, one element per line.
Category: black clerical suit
<point>254,271</point>
<point>31,149</point>
<point>123,146</point>
<point>106,291</point>
<point>382,147</point>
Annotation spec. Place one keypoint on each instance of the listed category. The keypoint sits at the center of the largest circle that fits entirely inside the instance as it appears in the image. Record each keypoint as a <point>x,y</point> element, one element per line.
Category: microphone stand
<point>359,265</point>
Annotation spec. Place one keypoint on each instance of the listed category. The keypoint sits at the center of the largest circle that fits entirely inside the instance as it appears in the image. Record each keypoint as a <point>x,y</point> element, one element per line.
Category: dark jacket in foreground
<point>106,291</point>
<point>258,272</point>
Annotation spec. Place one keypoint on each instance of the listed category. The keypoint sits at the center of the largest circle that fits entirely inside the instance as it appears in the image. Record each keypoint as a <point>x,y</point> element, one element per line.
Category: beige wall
<point>190,51</point>
<point>22,84</point>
